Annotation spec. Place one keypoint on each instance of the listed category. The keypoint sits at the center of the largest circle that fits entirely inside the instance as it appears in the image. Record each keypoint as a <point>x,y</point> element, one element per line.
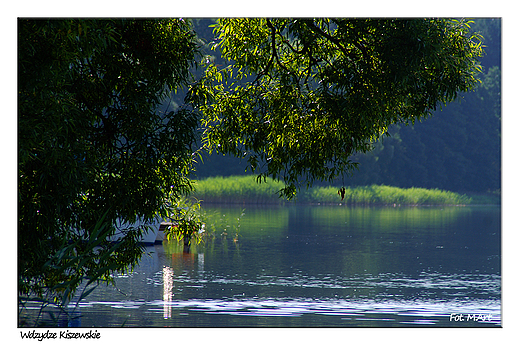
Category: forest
<point>457,149</point>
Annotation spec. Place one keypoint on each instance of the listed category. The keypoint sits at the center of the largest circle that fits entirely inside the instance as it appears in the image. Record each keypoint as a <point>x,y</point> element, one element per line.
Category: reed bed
<point>238,189</point>
<point>246,190</point>
<point>384,195</point>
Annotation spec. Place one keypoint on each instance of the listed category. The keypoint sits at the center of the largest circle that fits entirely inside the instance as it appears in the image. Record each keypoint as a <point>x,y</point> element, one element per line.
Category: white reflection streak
<point>200,258</point>
<point>167,291</point>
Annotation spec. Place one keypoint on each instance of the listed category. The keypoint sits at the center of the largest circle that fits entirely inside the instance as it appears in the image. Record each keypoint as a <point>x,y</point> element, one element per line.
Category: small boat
<point>153,235</point>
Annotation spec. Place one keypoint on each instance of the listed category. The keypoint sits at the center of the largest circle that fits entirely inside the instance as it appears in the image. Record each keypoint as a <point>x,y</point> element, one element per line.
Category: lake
<point>315,266</point>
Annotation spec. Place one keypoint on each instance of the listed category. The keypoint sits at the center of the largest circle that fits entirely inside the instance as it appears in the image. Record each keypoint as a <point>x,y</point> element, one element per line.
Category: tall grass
<point>384,195</point>
<point>245,189</point>
<point>238,189</point>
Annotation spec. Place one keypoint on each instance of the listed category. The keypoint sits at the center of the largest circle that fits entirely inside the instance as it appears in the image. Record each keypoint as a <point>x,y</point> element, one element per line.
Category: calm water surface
<point>316,266</point>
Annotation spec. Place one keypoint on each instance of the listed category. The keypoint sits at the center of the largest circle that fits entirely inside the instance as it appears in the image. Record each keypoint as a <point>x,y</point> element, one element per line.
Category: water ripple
<point>421,312</point>
<point>455,284</point>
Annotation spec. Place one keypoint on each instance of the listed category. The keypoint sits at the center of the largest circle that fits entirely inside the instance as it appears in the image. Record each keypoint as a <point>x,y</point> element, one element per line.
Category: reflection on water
<point>168,277</point>
<point>167,291</point>
<point>358,310</point>
<point>396,305</point>
<point>318,266</point>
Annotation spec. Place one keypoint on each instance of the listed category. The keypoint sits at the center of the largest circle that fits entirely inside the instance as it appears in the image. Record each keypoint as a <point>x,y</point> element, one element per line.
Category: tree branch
<point>310,23</point>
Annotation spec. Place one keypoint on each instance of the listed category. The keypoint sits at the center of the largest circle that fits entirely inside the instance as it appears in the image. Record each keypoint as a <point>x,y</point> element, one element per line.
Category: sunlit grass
<point>245,189</point>
<point>238,189</point>
<point>385,195</point>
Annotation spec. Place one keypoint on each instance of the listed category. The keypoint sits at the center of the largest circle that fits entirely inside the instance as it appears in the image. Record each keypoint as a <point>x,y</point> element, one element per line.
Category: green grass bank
<point>246,190</point>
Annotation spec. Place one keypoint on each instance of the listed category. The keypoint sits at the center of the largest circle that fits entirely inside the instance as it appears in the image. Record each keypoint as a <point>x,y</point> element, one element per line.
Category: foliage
<point>244,189</point>
<point>300,96</point>
<point>386,195</point>
<point>459,149</point>
<point>187,222</point>
<point>92,145</point>
<point>237,189</point>
<point>191,221</point>
<point>69,260</point>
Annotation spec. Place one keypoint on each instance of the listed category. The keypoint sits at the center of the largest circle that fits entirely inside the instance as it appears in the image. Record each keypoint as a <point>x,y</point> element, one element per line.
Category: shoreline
<point>245,190</point>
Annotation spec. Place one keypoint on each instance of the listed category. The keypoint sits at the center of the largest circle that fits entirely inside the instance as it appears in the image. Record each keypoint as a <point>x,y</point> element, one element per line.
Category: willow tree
<point>298,97</point>
<point>93,146</point>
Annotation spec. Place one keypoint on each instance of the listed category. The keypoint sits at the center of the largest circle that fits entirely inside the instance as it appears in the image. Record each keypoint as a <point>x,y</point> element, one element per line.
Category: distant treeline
<point>246,190</point>
<point>458,149</point>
